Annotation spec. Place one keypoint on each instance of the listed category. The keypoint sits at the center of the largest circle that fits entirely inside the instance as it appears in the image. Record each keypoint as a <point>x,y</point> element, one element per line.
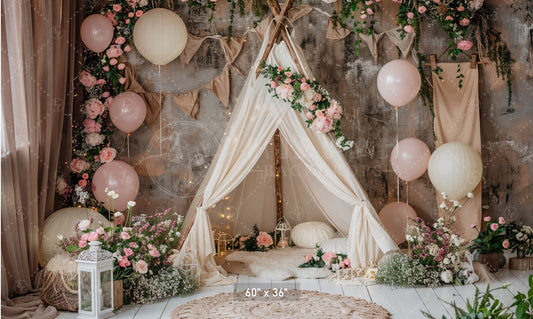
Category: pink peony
<point>304,86</point>
<point>273,84</point>
<point>487,219</point>
<point>121,66</point>
<point>106,68</point>
<point>120,40</point>
<point>124,235</point>
<point>288,74</point>
<point>369,2</point>
<point>128,252</point>
<point>100,230</point>
<point>106,94</point>
<point>284,91</point>
<point>493,226</point>
<point>312,107</point>
<point>505,244</point>
<point>101,82</point>
<point>85,176</point>
<point>436,1</point>
<point>82,182</point>
<point>369,11</point>
<point>317,97</point>
<point>139,13</point>
<point>410,15</point>
<point>309,115</point>
<point>154,253</point>
<point>114,51</point>
<point>111,17</point>
<point>85,236</point>
<point>82,243</point>
<point>501,220</point>
<point>334,111</point>
<point>127,48</point>
<point>93,236</point>
<point>464,45</point>
<point>408,29</point>
<point>422,9</point>
<point>122,81</point>
<point>363,16</point>
<point>91,126</point>
<point>108,101</point>
<point>150,246</point>
<point>327,256</point>
<point>461,9</point>
<point>141,267</point>
<point>107,154</point>
<point>93,108</point>
<point>448,18</point>
<point>87,79</point>
<point>347,262</point>
<point>133,244</point>
<point>117,7</point>
<point>131,14</point>
<point>113,62</point>
<point>308,257</point>
<point>124,262</point>
<point>127,21</point>
<point>321,123</point>
<point>464,22</point>
<point>78,165</point>
<point>264,240</point>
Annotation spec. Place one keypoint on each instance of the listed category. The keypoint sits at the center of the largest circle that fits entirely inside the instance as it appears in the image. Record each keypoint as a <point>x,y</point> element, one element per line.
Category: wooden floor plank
<point>360,292</point>
<point>448,294</point>
<point>151,310</point>
<point>431,301</point>
<point>400,302</point>
<point>523,275</point>
<point>329,287</point>
<point>506,276</point>
<point>307,284</point>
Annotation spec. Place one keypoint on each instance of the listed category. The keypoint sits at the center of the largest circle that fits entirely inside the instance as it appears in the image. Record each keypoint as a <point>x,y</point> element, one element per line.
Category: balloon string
<point>407,192</point>
<point>128,142</point>
<point>160,115</point>
<point>397,155</point>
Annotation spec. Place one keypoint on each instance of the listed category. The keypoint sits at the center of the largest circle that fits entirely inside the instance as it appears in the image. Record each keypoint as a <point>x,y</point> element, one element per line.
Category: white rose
<point>433,250</point>
<point>443,194</point>
<point>446,276</point>
<point>470,195</point>
<point>94,139</point>
<point>84,224</point>
<point>118,214</point>
<point>446,261</point>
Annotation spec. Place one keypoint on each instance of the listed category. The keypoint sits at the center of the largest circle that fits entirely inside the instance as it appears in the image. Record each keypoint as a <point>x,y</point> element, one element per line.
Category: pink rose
<point>91,126</point>
<point>82,182</point>
<point>363,16</point>
<point>111,17</point>
<point>461,9</point>
<point>124,262</point>
<point>107,154</point>
<point>113,62</point>
<point>85,176</point>
<point>93,108</point>
<point>82,243</point>
<point>141,267</point>
<point>154,253</point>
<point>493,226</point>
<point>304,86</point>
<point>410,15</point>
<point>501,220</point>
<point>473,226</point>
<point>128,252</point>
<point>436,1</point>
<point>505,244</point>
<point>114,51</point>
<point>288,74</point>
<point>284,91</point>
<point>106,68</point>
<point>106,94</point>
<point>139,13</point>
<point>368,2</point>
<point>264,240</point>
<point>273,84</point>
<point>347,262</point>
<point>280,68</point>
<point>326,257</point>
<point>408,29</point>
<point>108,101</point>
<point>464,45</point>
<point>120,40</point>
<point>117,7</point>
<point>464,22</point>
<point>122,81</point>
<point>334,111</point>
<point>397,1</point>
<point>93,236</point>
<point>100,230</point>
<point>287,81</point>
<point>312,107</point>
<point>449,18</point>
<point>321,123</point>
<point>127,48</point>
<point>133,244</point>
<point>87,79</point>
<point>120,220</point>
<point>422,9</point>
<point>78,165</point>
<point>486,219</point>
<point>131,14</point>
<point>124,235</point>
<point>309,115</point>
<point>133,3</point>
<point>317,97</point>
<point>308,257</point>
<point>150,246</point>
<point>369,11</point>
<point>127,21</point>
<point>101,82</point>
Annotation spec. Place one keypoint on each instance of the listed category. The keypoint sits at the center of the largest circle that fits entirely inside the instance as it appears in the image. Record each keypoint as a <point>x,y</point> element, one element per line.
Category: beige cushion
<point>311,234</point>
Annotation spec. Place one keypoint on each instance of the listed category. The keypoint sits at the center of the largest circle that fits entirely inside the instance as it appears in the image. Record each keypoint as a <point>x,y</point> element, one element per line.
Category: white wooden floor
<point>400,302</point>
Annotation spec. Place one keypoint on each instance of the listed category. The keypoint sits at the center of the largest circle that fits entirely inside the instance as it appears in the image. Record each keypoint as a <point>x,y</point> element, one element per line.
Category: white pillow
<point>311,234</point>
<point>336,245</point>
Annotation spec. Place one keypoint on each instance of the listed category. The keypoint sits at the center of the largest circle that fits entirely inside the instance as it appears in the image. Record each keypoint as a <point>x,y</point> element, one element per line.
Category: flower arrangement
<point>493,238</point>
<point>257,241</point>
<point>441,251</point>
<point>404,271</point>
<point>322,112</point>
<point>331,260</point>
<point>520,238</point>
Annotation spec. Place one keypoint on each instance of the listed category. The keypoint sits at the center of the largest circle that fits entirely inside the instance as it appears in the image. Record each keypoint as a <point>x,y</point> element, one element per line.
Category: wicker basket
<point>60,283</point>
<point>491,260</point>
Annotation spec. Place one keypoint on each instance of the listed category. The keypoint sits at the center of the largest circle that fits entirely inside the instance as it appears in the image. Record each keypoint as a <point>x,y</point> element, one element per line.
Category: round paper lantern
<point>127,111</point>
<point>96,32</point>
<point>62,223</point>
<point>455,168</point>
<point>409,158</point>
<point>160,36</point>
<point>395,217</point>
<point>119,177</point>
<point>398,82</point>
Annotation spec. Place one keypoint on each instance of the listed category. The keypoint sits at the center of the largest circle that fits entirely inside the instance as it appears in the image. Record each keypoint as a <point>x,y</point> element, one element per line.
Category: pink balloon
<point>96,32</point>
<point>119,177</point>
<point>410,158</point>
<point>394,217</point>
<point>398,82</point>
<point>127,111</point>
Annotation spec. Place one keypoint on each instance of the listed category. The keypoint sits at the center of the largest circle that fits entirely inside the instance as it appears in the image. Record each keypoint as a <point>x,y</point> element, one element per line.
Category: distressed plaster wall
<point>507,154</point>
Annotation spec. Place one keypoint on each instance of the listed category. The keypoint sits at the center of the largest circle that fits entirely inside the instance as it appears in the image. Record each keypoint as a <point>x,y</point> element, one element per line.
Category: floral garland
<point>329,259</point>
<point>323,113</point>
<point>102,77</point>
<point>257,241</point>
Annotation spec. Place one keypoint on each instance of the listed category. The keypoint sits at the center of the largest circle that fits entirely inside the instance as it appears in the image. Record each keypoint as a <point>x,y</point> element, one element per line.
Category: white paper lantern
<point>160,36</point>
<point>456,169</point>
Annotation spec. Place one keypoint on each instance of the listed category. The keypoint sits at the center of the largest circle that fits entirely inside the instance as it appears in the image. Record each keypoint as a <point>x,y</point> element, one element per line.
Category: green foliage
<point>520,238</point>
<point>489,240</point>
<point>316,262</point>
<point>523,303</point>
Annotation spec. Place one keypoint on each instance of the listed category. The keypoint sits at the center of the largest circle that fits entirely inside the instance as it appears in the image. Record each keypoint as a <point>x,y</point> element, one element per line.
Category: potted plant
<point>491,242</point>
<point>520,239</point>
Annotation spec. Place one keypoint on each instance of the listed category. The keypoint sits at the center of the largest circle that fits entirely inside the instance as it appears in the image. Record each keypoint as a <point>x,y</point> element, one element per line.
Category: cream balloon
<point>160,36</point>
<point>395,217</point>
<point>455,169</point>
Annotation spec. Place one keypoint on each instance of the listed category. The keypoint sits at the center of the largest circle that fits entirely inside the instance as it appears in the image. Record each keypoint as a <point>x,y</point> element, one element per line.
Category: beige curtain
<point>35,44</point>
<point>457,120</point>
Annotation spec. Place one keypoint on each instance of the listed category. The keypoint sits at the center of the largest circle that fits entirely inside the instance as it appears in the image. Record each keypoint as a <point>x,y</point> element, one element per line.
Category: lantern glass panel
<point>86,302</point>
<point>107,291</point>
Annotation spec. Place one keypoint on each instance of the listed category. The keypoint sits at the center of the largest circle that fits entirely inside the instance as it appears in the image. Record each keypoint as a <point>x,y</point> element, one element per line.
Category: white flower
<point>456,204</point>
<point>446,261</point>
<point>131,204</point>
<point>470,195</point>
<point>335,267</point>
<point>106,190</point>
<point>61,185</point>
<point>60,237</point>
<point>433,250</point>
<point>143,3</point>
<point>446,276</point>
<point>443,206</point>
<point>94,139</point>
<point>443,194</point>
<point>476,4</point>
<point>409,237</point>
<point>84,224</point>
<point>118,214</point>
<point>111,193</point>
<point>114,196</point>
<point>178,234</point>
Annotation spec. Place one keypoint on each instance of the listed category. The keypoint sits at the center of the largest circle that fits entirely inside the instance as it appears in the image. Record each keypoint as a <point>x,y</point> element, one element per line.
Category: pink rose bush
<point>492,239</point>
<point>78,165</point>
<point>331,260</point>
<point>91,126</point>
<point>256,241</point>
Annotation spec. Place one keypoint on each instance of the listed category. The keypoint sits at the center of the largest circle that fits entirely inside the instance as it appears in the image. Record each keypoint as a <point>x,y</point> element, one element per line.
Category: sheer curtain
<point>35,56</point>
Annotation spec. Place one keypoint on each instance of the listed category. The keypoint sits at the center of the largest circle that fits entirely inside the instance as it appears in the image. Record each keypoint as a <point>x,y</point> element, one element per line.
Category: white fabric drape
<point>329,180</point>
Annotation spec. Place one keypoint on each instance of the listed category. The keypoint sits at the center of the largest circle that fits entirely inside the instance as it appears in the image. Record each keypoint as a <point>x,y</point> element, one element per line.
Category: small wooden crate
<point>521,263</point>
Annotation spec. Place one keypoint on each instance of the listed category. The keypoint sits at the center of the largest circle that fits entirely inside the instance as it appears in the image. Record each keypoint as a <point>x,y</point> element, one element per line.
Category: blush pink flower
<point>408,29</point>
<point>121,66</point>
<point>422,9</point>
<point>106,94</point>
<point>120,220</point>
<point>493,226</point>
<point>273,84</point>
<point>93,236</point>
<point>120,40</point>
<point>334,111</point>
<point>113,62</point>
<point>139,13</point>
<point>150,246</point>
<point>506,243</point>
<point>284,91</point>
<point>128,252</point>
<point>448,18</point>
<point>321,123</point>
<point>487,219</point>
<point>245,238</point>
<point>436,1</point>
<point>106,68</point>
<point>131,14</point>
<point>93,108</point>
<point>101,82</point>
<point>473,226</point>
<point>308,257</point>
<point>288,74</point>
<point>82,243</point>
<point>100,230</point>
<point>410,15</point>
<point>369,2</point>
<point>133,245</point>
<point>82,182</point>
<point>464,22</point>
<point>141,267</point>
<point>91,126</point>
<point>125,235</point>
<point>85,236</point>
<point>107,154</point>
<point>122,81</point>
<point>363,16</point>
<point>461,9</point>
<point>309,115</point>
<point>304,86</point>
<point>108,101</point>
<point>114,51</point>
<point>111,17</point>
<point>124,262</point>
<point>369,11</point>
<point>317,97</point>
<point>127,48</point>
<point>78,165</point>
<point>117,7</point>
<point>347,262</point>
<point>154,253</point>
<point>127,21</point>
<point>327,256</point>
<point>87,79</point>
<point>464,45</point>
<point>264,240</point>
<point>501,220</point>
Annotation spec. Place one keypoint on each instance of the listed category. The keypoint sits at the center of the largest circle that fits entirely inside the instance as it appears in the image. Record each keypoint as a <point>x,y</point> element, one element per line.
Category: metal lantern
<point>224,243</point>
<point>282,234</point>
<point>95,282</point>
<point>188,261</point>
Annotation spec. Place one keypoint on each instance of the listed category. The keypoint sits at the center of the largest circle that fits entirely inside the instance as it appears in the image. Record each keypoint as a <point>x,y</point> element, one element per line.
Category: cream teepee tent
<point>318,184</point>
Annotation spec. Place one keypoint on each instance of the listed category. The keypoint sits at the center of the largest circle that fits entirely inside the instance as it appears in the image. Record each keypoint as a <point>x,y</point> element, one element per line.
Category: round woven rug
<point>295,304</point>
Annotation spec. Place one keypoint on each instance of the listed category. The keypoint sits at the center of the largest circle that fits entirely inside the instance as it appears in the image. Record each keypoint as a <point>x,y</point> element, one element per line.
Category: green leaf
<point>71,248</point>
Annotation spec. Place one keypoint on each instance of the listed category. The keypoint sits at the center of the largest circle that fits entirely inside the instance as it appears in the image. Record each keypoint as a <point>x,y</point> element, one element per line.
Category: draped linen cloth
<point>256,117</point>
<point>457,120</point>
